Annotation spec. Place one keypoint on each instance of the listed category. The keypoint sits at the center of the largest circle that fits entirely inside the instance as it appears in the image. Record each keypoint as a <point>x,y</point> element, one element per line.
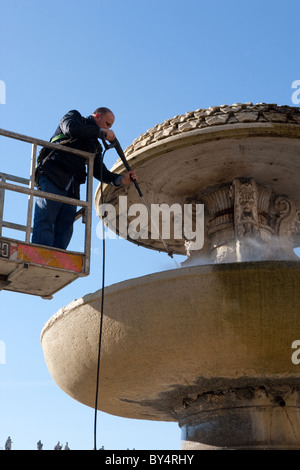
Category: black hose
<point>101,314</point>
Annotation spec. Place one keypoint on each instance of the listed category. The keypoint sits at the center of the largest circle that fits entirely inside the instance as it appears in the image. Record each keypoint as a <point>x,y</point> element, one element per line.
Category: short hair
<point>102,110</point>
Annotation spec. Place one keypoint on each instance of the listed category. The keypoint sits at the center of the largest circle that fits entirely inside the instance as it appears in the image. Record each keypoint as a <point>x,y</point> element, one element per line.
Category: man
<point>62,173</point>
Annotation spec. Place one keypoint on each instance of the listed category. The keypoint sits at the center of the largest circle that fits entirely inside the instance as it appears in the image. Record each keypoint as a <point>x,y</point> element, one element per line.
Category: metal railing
<point>86,206</point>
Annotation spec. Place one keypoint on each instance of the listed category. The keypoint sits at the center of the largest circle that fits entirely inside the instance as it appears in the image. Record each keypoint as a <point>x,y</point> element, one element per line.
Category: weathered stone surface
<point>268,417</point>
<point>232,120</point>
<point>166,132</point>
<point>247,116</point>
<point>187,126</point>
<point>296,118</point>
<point>172,335</point>
<point>275,117</point>
<point>235,113</point>
<point>216,120</point>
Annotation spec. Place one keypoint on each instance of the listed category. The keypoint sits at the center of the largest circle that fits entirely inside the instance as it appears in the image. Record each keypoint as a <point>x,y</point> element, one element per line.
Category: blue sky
<point>147,61</point>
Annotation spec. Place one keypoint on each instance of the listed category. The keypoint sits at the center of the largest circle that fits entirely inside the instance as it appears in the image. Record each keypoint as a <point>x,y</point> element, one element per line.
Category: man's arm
<point>108,177</point>
<point>73,125</point>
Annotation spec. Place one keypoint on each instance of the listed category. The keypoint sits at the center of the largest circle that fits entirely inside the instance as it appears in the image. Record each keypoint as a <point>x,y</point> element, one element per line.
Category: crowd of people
<point>39,445</point>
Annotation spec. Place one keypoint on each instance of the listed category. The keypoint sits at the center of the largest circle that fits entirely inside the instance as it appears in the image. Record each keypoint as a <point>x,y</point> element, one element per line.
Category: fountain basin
<point>170,337</point>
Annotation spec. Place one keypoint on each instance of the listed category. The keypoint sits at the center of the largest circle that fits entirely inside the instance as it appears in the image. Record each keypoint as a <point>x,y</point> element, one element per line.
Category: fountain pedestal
<point>243,418</point>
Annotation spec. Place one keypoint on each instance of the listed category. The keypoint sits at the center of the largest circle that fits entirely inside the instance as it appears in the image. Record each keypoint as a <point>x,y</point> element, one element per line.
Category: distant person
<point>8,443</point>
<point>39,445</point>
<point>62,173</point>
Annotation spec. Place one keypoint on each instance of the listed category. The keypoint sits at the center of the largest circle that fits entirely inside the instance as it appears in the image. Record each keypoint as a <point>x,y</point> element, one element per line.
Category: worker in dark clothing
<point>62,173</point>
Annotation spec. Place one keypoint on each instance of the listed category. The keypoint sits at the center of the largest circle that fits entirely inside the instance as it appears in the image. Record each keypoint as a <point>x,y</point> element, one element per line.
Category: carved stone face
<point>246,201</point>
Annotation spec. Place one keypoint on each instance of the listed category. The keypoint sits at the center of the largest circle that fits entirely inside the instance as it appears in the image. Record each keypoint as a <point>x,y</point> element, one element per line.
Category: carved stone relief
<point>247,221</point>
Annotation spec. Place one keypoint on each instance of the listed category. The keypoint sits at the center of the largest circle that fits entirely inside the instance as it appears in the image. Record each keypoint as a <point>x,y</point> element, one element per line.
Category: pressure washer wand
<point>121,154</point>
<point>116,144</point>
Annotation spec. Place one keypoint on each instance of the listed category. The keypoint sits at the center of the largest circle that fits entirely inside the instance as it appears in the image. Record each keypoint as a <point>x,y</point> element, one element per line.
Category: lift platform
<point>36,269</point>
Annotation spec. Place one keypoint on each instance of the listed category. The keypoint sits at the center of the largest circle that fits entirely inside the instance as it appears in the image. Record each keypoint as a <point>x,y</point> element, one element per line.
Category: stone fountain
<point>208,345</point>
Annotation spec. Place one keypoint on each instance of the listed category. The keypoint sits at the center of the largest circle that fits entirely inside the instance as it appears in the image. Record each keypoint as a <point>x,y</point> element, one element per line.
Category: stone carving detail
<point>252,220</point>
<point>245,216</point>
<point>237,113</point>
<point>287,223</point>
<point>246,221</point>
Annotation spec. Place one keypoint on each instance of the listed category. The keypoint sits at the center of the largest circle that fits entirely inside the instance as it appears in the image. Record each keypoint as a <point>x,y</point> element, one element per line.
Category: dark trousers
<point>53,221</point>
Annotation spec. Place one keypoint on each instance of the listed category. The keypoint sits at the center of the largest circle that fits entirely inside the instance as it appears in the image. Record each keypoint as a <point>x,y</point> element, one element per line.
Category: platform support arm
<point>30,196</point>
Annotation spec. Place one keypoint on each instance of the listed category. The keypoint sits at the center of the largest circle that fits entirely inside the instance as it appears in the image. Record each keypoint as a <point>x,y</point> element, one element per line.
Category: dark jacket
<point>63,167</point>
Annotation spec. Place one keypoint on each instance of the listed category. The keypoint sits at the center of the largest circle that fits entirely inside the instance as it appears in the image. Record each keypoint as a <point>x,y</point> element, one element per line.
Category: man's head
<point>104,118</point>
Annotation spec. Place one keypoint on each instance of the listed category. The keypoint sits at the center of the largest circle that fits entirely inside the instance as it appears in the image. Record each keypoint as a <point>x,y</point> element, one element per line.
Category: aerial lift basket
<point>35,269</point>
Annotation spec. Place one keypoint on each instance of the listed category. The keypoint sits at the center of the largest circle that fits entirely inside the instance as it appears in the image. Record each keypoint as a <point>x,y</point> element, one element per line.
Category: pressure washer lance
<point>116,145</point>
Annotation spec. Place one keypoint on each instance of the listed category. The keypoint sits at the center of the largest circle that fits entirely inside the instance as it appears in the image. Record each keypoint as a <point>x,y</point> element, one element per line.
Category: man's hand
<point>110,135</point>
<point>128,177</point>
